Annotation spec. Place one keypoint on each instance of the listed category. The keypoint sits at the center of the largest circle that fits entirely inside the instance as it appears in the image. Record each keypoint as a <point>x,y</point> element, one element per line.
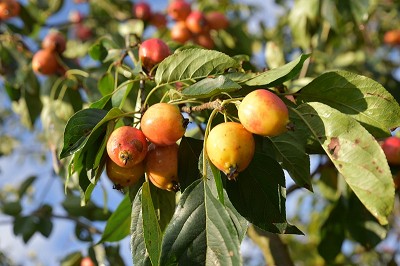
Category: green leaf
<point>333,233</point>
<point>140,256</point>
<point>362,226</point>
<point>272,77</point>
<point>188,160</point>
<point>164,203</point>
<point>117,227</point>
<point>106,84</point>
<point>25,185</point>
<point>97,51</point>
<point>357,96</point>
<point>26,226</point>
<point>362,9</point>
<point>301,18</point>
<point>356,155</point>
<point>209,87</point>
<point>12,208</point>
<point>151,229</point>
<point>202,232</point>
<point>45,226</point>
<point>78,128</point>
<point>290,149</point>
<point>193,64</point>
<point>259,195</point>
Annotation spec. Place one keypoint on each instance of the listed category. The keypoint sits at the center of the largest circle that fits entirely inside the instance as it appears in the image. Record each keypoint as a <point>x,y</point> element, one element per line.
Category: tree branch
<point>216,104</point>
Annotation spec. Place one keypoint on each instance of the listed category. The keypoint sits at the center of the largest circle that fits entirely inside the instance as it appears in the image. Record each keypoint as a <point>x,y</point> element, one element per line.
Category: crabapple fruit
<point>180,33</point>
<point>179,10</point>
<point>162,166</point>
<point>217,20</point>
<point>142,11</point>
<point>158,20</point>
<point>163,124</point>
<point>54,41</point>
<point>230,147</point>
<point>127,146</point>
<point>197,22</point>
<point>9,9</point>
<point>263,113</point>
<point>124,177</point>
<point>204,40</point>
<point>391,148</point>
<point>45,62</point>
<point>152,52</point>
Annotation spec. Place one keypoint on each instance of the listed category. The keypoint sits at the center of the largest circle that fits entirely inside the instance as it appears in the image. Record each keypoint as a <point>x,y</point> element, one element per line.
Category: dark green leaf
<point>25,185</point>
<point>202,232</point>
<point>45,226</point>
<point>333,233</point>
<point>12,208</point>
<point>140,256</point>
<point>357,96</point>
<point>356,155</point>
<point>164,204</point>
<point>259,195</point>
<point>290,149</point>
<point>26,226</point>
<point>151,229</point>
<point>188,160</point>
<point>78,128</point>
<point>98,52</point>
<point>362,226</point>
<point>191,64</point>
<point>208,87</point>
<point>117,227</point>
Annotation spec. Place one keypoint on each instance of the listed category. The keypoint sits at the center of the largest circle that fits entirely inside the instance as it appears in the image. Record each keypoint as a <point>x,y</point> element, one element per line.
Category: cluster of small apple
<point>194,25</point>
<point>9,9</point>
<point>190,25</point>
<point>230,146</point>
<point>152,149</point>
<point>46,61</point>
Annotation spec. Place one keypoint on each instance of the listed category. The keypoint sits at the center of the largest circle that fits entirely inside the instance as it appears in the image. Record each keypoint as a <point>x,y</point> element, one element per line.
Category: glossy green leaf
<point>140,256</point>
<point>259,195</point>
<point>356,155</point>
<point>290,149</point>
<point>78,128</point>
<point>192,64</point>
<point>151,229</point>
<point>118,225</point>
<point>202,232</point>
<point>357,96</point>
<point>209,87</point>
